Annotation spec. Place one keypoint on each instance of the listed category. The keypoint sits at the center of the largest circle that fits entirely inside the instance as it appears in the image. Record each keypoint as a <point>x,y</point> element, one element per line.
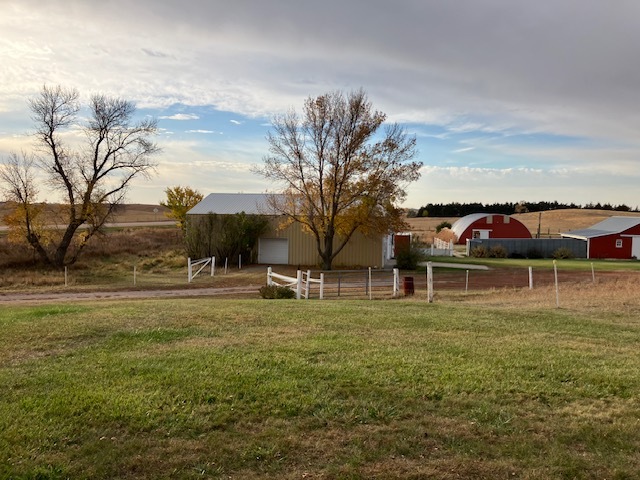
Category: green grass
<point>344,389</point>
<point>567,264</point>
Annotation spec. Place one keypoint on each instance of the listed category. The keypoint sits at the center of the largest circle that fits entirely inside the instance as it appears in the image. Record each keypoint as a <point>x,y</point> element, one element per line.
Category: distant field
<point>336,389</point>
<point>552,222</point>
<point>125,214</point>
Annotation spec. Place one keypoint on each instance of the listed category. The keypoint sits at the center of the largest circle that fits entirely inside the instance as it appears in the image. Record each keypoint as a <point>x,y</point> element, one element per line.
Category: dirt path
<point>27,298</point>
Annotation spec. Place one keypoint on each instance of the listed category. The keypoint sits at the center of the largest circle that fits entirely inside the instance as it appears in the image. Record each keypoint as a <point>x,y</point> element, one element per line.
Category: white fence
<point>440,248</point>
<point>209,261</point>
<point>293,283</point>
<point>204,262</point>
<point>303,281</point>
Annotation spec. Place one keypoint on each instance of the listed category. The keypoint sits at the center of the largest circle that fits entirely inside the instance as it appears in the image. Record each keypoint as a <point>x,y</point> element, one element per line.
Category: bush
<point>498,252</point>
<point>479,252</point>
<point>276,292</point>
<point>562,252</point>
<point>410,258</point>
<point>442,225</point>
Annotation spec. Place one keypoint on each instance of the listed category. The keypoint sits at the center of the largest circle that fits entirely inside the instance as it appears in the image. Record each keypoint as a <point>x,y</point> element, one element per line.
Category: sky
<point>509,100</point>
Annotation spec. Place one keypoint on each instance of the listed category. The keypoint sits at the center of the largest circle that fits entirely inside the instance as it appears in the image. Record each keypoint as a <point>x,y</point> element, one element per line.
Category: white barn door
<point>635,247</point>
<point>273,251</point>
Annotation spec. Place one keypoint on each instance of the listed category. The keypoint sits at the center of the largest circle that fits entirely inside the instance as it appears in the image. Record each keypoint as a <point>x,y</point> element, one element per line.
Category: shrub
<point>498,252</point>
<point>442,225</point>
<point>409,259</point>
<point>224,236</point>
<point>562,252</point>
<point>479,252</point>
<point>276,292</point>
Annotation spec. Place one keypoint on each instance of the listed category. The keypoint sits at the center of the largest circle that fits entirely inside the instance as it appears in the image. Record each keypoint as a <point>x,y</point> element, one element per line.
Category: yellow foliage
<point>179,201</point>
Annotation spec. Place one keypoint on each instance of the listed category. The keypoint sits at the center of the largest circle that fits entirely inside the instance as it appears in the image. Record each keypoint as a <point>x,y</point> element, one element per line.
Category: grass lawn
<point>546,263</point>
<point>333,389</point>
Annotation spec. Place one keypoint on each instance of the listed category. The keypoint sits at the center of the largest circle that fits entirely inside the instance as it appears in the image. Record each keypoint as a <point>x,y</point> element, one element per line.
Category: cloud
<point>484,62</point>
<point>203,131</point>
<point>462,150</point>
<point>155,53</point>
<point>236,122</point>
<point>493,71</point>
<point>180,116</point>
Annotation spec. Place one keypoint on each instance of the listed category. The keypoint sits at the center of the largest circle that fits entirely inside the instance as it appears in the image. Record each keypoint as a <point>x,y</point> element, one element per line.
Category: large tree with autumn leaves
<point>341,169</point>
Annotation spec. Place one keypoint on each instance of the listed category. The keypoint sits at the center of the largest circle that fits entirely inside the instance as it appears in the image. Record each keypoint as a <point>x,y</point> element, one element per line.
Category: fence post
<point>321,286</point>
<point>226,263</point>
<point>269,280</point>
<point>396,282</point>
<point>366,284</point>
<point>466,283</point>
<point>66,277</point>
<point>306,294</point>
<point>189,268</point>
<point>239,262</point>
<point>370,286</point>
<point>430,282</point>
<point>593,273</point>
<point>530,278</point>
<point>299,285</point>
<point>213,266</point>
<point>555,275</point>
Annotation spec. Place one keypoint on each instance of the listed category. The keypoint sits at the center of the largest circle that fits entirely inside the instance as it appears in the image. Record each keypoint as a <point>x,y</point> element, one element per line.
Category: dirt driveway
<point>40,297</point>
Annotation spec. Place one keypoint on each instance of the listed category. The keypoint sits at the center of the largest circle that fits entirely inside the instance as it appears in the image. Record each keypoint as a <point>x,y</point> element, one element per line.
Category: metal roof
<point>465,222</point>
<point>230,203</point>
<point>611,225</point>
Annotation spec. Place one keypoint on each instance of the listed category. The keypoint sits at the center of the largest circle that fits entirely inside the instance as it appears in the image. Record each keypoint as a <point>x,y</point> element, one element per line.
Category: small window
<point>619,243</point>
<point>507,219</point>
<point>489,219</point>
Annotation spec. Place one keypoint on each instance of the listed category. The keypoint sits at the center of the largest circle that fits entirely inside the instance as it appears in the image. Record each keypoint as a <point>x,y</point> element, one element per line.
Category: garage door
<point>273,251</point>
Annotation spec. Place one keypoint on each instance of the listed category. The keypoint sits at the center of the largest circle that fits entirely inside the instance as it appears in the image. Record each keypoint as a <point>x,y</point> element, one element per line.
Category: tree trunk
<point>327,252</point>
<point>60,255</point>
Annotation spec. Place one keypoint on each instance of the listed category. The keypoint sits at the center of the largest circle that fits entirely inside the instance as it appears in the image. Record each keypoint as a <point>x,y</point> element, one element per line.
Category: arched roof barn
<point>488,225</point>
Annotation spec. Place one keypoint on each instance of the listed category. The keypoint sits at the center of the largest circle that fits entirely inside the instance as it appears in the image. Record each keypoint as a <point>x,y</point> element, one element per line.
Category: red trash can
<point>407,283</point>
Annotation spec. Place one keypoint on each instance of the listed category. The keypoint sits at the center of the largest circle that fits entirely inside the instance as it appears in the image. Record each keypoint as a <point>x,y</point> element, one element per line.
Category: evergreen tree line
<point>461,209</point>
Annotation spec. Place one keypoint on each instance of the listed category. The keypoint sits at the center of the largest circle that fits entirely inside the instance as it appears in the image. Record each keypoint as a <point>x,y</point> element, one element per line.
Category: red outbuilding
<point>488,225</point>
<point>615,237</point>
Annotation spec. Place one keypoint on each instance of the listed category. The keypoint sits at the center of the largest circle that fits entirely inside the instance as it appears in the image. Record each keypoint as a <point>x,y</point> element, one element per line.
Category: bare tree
<point>338,172</point>
<point>92,179</point>
<point>17,183</point>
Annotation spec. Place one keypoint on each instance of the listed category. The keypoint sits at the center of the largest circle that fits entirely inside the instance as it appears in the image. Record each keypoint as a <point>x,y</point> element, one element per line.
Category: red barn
<point>488,225</point>
<point>615,237</point>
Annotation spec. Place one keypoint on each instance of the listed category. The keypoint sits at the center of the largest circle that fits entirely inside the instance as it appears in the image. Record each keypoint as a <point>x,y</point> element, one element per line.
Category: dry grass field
<point>125,214</point>
<point>552,222</point>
